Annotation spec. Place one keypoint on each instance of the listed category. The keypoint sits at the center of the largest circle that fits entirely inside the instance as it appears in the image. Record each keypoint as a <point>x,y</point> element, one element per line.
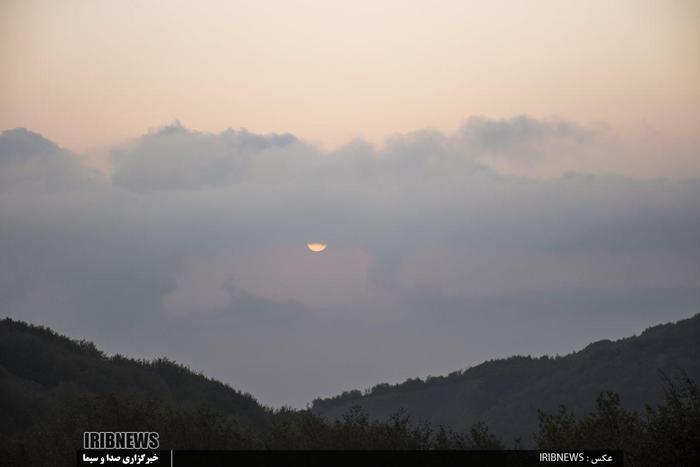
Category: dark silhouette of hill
<point>41,371</point>
<point>507,393</point>
<point>52,389</point>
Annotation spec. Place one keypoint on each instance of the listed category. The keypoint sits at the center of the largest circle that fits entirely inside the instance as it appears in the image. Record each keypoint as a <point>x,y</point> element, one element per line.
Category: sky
<point>490,178</point>
<point>92,73</point>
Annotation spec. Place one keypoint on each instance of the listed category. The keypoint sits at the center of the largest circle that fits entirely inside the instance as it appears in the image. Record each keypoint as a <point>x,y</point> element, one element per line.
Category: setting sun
<point>316,247</point>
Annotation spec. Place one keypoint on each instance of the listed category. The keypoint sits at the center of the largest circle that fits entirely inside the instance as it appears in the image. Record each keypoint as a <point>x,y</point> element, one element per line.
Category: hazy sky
<point>491,178</point>
<point>87,73</point>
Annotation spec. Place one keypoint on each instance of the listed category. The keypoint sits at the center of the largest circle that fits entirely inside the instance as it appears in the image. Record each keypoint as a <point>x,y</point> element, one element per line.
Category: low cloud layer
<point>175,158</point>
<point>439,255</point>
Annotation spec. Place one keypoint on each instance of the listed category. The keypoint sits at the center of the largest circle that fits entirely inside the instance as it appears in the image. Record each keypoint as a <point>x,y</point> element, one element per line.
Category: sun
<point>316,247</point>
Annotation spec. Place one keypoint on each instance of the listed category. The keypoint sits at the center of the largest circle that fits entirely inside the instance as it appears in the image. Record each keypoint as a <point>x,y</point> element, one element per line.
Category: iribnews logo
<point>120,440</point>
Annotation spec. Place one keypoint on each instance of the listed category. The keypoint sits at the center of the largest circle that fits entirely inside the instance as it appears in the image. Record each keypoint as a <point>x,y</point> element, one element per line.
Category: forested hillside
<point>41,371</point>
<point>52,389</point>
<point>508,393</point>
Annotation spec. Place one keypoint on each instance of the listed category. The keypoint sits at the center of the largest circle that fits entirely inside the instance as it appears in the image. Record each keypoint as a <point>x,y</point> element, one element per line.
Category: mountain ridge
<point>41,370</point>
<point>507,393</point>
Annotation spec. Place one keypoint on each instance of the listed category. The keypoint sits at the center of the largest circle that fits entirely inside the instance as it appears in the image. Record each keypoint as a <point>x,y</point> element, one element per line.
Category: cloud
<point>528,146</point>
<point>30,162</point>
<point>436,259</point>
<point>175,158</point>
<point>523,137</point>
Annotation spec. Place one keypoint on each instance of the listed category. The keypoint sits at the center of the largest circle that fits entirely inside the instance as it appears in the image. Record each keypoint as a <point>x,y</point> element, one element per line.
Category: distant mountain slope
<point>41,371</point>
<point>506,394</point>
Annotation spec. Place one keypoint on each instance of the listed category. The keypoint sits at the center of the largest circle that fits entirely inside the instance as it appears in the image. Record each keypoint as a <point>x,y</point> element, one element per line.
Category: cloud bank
<point>438,257</point>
